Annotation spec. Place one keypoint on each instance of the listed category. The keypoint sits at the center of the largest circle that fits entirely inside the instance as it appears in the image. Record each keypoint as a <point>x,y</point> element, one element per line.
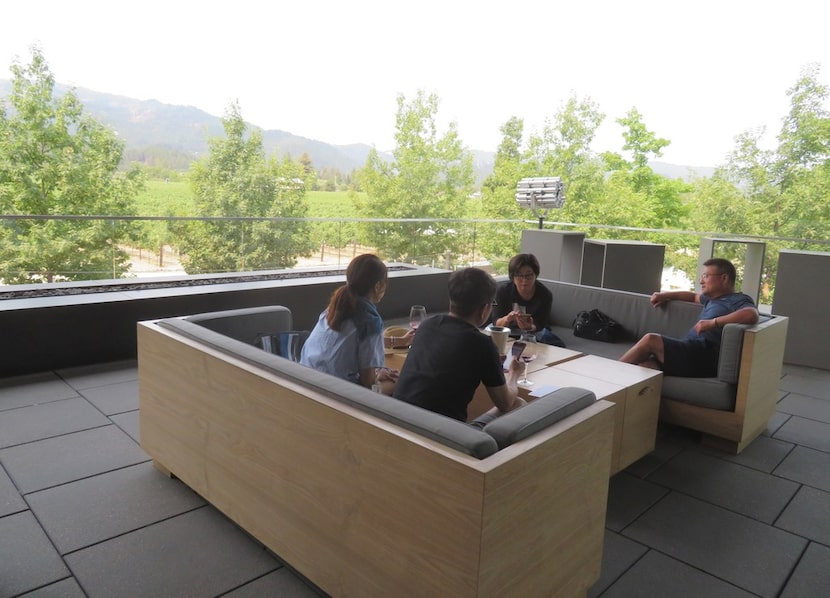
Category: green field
<point>176,199</point>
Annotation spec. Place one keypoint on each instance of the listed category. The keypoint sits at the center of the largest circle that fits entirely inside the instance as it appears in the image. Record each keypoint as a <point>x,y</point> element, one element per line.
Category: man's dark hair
<point>519,261</point>
<point>470,289</point>
<point>724,267</point>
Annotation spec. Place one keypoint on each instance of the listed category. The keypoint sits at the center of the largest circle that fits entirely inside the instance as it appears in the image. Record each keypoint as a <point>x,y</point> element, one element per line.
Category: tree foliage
<point>236,180</point>
<point>782,191</point>
<point>430,176</point>
<point>54,159</point>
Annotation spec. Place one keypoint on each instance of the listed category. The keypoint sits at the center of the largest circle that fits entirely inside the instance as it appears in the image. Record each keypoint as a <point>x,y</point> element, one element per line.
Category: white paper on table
<point>544,390</point>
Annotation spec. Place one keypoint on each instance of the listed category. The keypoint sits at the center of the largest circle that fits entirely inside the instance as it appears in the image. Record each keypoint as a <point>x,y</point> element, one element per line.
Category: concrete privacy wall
<point>47,333</point>
<point>801,292</point>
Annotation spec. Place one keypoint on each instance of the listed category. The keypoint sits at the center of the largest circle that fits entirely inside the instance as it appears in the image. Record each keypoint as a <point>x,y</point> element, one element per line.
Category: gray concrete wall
<point>801,291</point>
<point>48,333</point>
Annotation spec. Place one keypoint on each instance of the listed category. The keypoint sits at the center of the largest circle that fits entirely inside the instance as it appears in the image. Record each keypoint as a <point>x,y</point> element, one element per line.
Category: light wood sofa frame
<point>759,377</point>
<point>363,507</point>
<point>759,369</point>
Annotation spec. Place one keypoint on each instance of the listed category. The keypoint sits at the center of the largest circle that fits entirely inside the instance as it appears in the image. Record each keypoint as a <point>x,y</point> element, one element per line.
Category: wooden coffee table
<point>634,389</point>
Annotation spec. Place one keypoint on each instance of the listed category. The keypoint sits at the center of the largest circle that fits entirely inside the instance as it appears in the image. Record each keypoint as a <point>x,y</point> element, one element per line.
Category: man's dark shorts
<point>689,358</point>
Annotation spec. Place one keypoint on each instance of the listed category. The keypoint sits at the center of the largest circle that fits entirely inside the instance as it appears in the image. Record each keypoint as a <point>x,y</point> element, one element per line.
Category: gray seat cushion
<point>539,414</point>
<point>712,393</point>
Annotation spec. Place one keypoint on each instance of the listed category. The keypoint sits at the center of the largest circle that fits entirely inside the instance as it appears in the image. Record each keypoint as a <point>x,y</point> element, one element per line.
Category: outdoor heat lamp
<point>540,195</point>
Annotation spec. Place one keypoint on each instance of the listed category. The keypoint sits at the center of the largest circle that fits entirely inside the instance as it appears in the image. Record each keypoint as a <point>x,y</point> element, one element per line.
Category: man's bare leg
<point>647,352</point>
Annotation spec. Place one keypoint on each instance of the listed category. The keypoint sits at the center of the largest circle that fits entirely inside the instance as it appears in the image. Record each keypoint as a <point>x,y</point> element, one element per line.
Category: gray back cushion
<point>247,323</point>
<point>447,431</point>
<point>539,414</point>
<point>731,345</point>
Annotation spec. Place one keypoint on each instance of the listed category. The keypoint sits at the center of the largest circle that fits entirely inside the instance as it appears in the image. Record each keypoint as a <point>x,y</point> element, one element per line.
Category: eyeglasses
<point>529,276</point>
<point>710,274</point>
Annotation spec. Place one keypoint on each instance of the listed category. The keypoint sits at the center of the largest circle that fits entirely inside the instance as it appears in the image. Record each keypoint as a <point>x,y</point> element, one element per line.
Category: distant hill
<point>178,135</point>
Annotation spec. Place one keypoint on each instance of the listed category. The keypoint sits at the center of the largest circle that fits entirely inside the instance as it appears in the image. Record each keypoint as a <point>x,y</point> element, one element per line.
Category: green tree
<point>430,176</point>
<point>236,180</point>
<point>498,195</point>
<point>564,149</point>
<point>654,201</point>
<point>54,159</point>
<point>786,188</point>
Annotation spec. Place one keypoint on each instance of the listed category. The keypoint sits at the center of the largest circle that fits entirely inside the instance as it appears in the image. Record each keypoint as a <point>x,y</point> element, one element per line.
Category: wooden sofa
<point>731,409</point>
<point>367,496</point>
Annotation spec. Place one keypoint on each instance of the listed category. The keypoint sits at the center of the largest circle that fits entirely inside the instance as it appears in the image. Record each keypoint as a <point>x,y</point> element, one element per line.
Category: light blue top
<point>345,353</point>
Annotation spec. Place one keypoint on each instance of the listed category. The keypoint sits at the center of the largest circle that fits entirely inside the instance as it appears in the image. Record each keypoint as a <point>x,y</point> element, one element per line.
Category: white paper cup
<point>499,334</point>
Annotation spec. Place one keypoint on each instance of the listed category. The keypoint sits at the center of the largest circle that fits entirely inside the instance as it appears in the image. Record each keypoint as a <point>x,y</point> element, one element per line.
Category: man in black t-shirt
<point>450,356</point>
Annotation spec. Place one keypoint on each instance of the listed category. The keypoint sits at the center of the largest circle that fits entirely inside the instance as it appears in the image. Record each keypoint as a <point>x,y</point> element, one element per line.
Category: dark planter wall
<point>48,333</point>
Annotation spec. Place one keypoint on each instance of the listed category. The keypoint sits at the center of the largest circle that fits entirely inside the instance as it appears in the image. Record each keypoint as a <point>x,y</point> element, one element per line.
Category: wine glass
<point>417,314</point>
<point>528,355</point>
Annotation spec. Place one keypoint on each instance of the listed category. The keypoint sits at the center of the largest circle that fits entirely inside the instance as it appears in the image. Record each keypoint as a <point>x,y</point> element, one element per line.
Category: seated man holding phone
<point>450,356</point>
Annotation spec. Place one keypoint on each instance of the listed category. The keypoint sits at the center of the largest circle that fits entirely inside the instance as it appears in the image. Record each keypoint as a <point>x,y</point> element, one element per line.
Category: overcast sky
<point>700,72</point>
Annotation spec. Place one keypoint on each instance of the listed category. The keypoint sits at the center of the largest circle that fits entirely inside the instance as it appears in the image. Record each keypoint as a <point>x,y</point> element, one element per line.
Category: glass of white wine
<point>417,314</point>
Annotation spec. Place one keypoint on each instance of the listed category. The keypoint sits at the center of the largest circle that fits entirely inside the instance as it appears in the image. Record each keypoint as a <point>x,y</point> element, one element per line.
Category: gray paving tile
<point>807,407</point>
<point>628,498</point>
<point>618,554</point>
<point>282,583</point>
<point>749,554</point>
<point>807,466</point>
<point>763,454</point>
<point>94,509</point>
<point>10,499</point>
<point>670,441</point>
<point>129,422</point>
<point>100,374</point>
<point>804,385</point>
<point>776,421</point>
<point>200,553</point>
<point>659,575</point>
<point>68,588</point>
<point>29,560</point>
<point>37,422</point>
<point>45,463</point>
<point>20,391</point>
<point>812,576</point>
<point>806,372</point>
<point>808,515</point>
<point>805,432</point>
<point>113,398</point>
<point>747,491</point>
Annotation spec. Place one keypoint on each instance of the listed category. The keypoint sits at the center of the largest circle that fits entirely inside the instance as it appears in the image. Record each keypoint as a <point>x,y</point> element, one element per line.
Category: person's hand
<point>657,299</point>
<point>517,368</point>
<point>406,339</point>
<point>387,375</point>
<point>525,322</point>
<point>704,325</point>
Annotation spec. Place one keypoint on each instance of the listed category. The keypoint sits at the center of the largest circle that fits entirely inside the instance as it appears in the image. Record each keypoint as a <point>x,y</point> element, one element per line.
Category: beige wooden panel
<point>309,479</point>
<point>642,402</point>
<point>545,513</point>
<point>614,393</point>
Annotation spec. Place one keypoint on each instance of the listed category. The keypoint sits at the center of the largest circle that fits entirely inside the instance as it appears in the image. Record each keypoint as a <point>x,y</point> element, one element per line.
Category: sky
<point>700,72</point>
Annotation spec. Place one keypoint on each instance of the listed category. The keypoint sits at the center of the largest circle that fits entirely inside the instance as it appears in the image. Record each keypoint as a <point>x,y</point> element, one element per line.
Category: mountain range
<point>181,133</point>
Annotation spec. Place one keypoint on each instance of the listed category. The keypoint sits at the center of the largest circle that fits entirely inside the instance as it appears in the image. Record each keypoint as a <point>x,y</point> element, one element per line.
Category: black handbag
<point>597,326</point>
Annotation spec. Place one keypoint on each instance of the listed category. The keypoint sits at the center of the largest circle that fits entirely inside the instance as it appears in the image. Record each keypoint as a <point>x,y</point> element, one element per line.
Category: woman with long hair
<point>347,340</point>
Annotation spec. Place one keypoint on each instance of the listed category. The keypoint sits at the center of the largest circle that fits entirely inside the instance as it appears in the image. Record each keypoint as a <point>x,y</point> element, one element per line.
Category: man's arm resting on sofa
<point>661,297</point>
<point>745,315</point>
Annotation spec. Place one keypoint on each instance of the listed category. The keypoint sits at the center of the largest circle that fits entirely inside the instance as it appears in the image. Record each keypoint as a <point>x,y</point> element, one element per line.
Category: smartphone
<point>515,352</point>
